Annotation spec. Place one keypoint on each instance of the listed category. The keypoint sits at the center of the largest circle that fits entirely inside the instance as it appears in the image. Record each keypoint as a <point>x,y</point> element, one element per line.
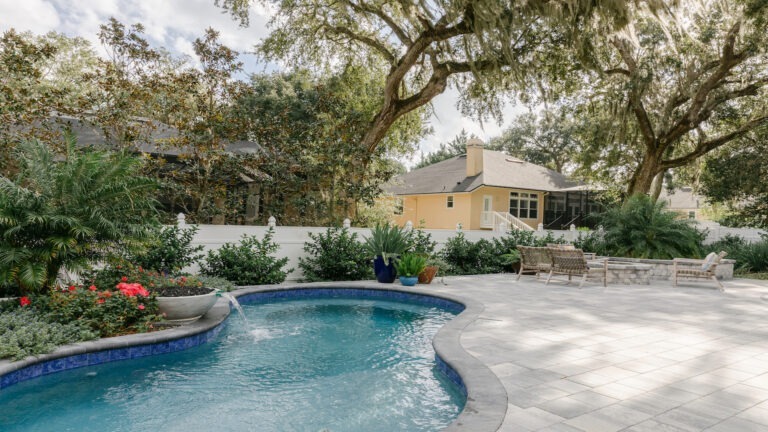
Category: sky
<point>175,24</point>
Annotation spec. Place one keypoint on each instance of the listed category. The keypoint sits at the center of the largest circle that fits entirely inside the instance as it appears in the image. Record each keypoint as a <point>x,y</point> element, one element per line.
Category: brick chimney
<point>474,157</point>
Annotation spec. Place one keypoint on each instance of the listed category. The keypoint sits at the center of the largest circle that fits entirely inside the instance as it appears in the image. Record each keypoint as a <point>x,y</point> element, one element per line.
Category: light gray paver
<point>629,358</point>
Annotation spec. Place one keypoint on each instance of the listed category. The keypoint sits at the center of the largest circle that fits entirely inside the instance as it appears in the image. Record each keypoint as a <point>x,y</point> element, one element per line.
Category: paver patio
<point>622,358</point>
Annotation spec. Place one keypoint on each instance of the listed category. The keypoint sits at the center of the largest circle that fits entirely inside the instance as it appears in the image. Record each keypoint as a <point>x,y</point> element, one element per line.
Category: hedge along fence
<point>292,239</point>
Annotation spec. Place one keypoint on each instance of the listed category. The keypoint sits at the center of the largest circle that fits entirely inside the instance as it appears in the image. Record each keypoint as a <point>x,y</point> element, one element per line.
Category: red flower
<point>92,287</point>
<point>124,279</point>
<point>24,301</point>
<point>100,301</point>
<point>132,289</point>
<point>141,307</point>
<point>72,288</point>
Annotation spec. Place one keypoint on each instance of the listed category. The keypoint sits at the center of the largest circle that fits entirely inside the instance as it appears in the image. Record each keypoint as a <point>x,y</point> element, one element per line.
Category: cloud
<point>37,16</point>
<point>165,21</point>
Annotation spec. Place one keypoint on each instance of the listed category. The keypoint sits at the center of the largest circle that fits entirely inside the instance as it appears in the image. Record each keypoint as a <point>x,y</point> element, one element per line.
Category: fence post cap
<point>347,223</point>
<point>271,221</point>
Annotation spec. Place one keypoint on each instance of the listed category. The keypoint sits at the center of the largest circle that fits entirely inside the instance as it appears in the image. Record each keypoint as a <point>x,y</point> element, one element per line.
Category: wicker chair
<point>567,246</point>
<point>572,262</point>
<point>696,269</point>
<point>534,259</point>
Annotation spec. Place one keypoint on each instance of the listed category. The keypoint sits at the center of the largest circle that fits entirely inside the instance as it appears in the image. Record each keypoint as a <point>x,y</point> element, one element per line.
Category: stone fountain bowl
<point>186,308</point>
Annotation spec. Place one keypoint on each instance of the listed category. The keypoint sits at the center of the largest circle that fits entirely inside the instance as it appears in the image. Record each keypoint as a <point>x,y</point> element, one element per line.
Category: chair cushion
<point>708,261</point>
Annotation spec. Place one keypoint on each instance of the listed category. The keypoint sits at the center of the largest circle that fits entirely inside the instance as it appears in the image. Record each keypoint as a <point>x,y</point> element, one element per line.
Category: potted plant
<point>184,299</point>
<point>385,245</point>
<point>433,265</point>
<point>180,299</point>
<point>408,268</point>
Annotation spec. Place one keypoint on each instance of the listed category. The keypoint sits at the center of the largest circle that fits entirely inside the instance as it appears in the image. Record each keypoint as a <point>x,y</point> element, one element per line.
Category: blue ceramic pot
<point>385,273</point>
<point>409,280</point>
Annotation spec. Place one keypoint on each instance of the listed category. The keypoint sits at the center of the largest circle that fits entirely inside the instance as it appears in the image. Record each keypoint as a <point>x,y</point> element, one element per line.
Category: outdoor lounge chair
<point>568,246</point>
<point>697,269</point>
<point>572,262</point>
<point>534,259</point>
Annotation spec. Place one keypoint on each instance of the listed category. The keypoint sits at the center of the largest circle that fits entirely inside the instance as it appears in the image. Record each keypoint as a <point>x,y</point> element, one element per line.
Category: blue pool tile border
<point>357,293</point>
<point>486,398</point>
<point>94,358</point>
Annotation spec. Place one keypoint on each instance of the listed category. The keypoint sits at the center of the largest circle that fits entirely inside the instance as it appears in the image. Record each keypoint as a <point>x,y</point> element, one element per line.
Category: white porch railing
<point>502,222</point>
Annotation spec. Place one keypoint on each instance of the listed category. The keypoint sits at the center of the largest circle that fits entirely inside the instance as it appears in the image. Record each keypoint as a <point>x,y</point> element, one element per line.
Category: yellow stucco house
<point>485,189</point>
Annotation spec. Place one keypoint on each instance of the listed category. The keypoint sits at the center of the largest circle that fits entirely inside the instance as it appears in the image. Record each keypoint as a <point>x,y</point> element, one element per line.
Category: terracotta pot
<point>428,274</point>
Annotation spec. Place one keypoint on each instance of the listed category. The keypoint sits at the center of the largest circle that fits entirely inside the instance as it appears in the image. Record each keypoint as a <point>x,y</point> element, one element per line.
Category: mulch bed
<point>176,291</point>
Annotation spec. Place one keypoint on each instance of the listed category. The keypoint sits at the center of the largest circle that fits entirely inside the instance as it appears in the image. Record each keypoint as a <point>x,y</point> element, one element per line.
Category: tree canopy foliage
<point>736,177</point>
<point>298,130</point>
<point>548,138</point>
<point>665,95</point>
<point>488,49</point>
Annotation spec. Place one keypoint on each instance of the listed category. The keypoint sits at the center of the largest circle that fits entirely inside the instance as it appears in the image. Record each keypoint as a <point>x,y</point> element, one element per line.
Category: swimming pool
<point>300,365</point>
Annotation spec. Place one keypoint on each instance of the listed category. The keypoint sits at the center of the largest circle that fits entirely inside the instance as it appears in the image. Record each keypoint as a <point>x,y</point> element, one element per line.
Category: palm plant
<point>642,228</point>
<point>65,214</point>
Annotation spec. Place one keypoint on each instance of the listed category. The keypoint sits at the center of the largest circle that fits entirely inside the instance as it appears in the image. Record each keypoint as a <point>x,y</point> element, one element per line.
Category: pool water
<point>328,365</point>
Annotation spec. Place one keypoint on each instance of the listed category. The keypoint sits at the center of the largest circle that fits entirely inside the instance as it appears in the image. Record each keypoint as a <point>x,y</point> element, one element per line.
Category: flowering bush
<point>128,309</point>
<point>125,274</point>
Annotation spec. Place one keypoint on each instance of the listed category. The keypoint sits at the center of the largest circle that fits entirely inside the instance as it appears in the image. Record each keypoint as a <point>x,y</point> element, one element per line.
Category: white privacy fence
<point>292,239</point>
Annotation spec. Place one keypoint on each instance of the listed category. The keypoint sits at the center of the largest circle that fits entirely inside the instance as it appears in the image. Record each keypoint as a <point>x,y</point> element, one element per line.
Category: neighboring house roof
<point>681,198</point>
<point>90,135</point>
<point>499,170</point>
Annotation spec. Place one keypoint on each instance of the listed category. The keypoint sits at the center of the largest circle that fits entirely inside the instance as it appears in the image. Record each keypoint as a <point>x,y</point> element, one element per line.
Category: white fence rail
<point>292,239</point>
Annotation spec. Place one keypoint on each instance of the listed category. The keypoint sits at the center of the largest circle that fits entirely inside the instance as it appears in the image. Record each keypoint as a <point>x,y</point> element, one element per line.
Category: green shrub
<point>420,242</point>
<point>750,257</point>
<point>248,263</point>
<point>25,332</point>
<point>335,255</point>
<point>70,213</point>
<point>107,312</point>
<point>171,250</point>
<point>465,257</point>
<point>642,228</point>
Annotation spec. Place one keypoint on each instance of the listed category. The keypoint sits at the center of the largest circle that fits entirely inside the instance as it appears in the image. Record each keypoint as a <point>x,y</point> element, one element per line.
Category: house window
<point>398,206</point>
<point>524,205</point>
<point>449,201</point>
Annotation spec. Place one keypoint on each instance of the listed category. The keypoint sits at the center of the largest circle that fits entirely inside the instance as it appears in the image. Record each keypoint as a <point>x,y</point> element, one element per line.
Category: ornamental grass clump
<point>387,241</point>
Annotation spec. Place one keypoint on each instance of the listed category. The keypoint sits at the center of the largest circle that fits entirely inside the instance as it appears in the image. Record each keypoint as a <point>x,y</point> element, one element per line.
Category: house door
<point>486,217</point>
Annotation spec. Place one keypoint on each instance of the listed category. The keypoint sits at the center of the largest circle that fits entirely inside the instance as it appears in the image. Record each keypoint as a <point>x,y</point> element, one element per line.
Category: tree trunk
<point>658,183</point>
<point>642,178</point>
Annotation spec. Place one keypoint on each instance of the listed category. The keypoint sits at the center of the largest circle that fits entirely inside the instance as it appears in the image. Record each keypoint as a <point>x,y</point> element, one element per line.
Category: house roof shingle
<point>499,170</point>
